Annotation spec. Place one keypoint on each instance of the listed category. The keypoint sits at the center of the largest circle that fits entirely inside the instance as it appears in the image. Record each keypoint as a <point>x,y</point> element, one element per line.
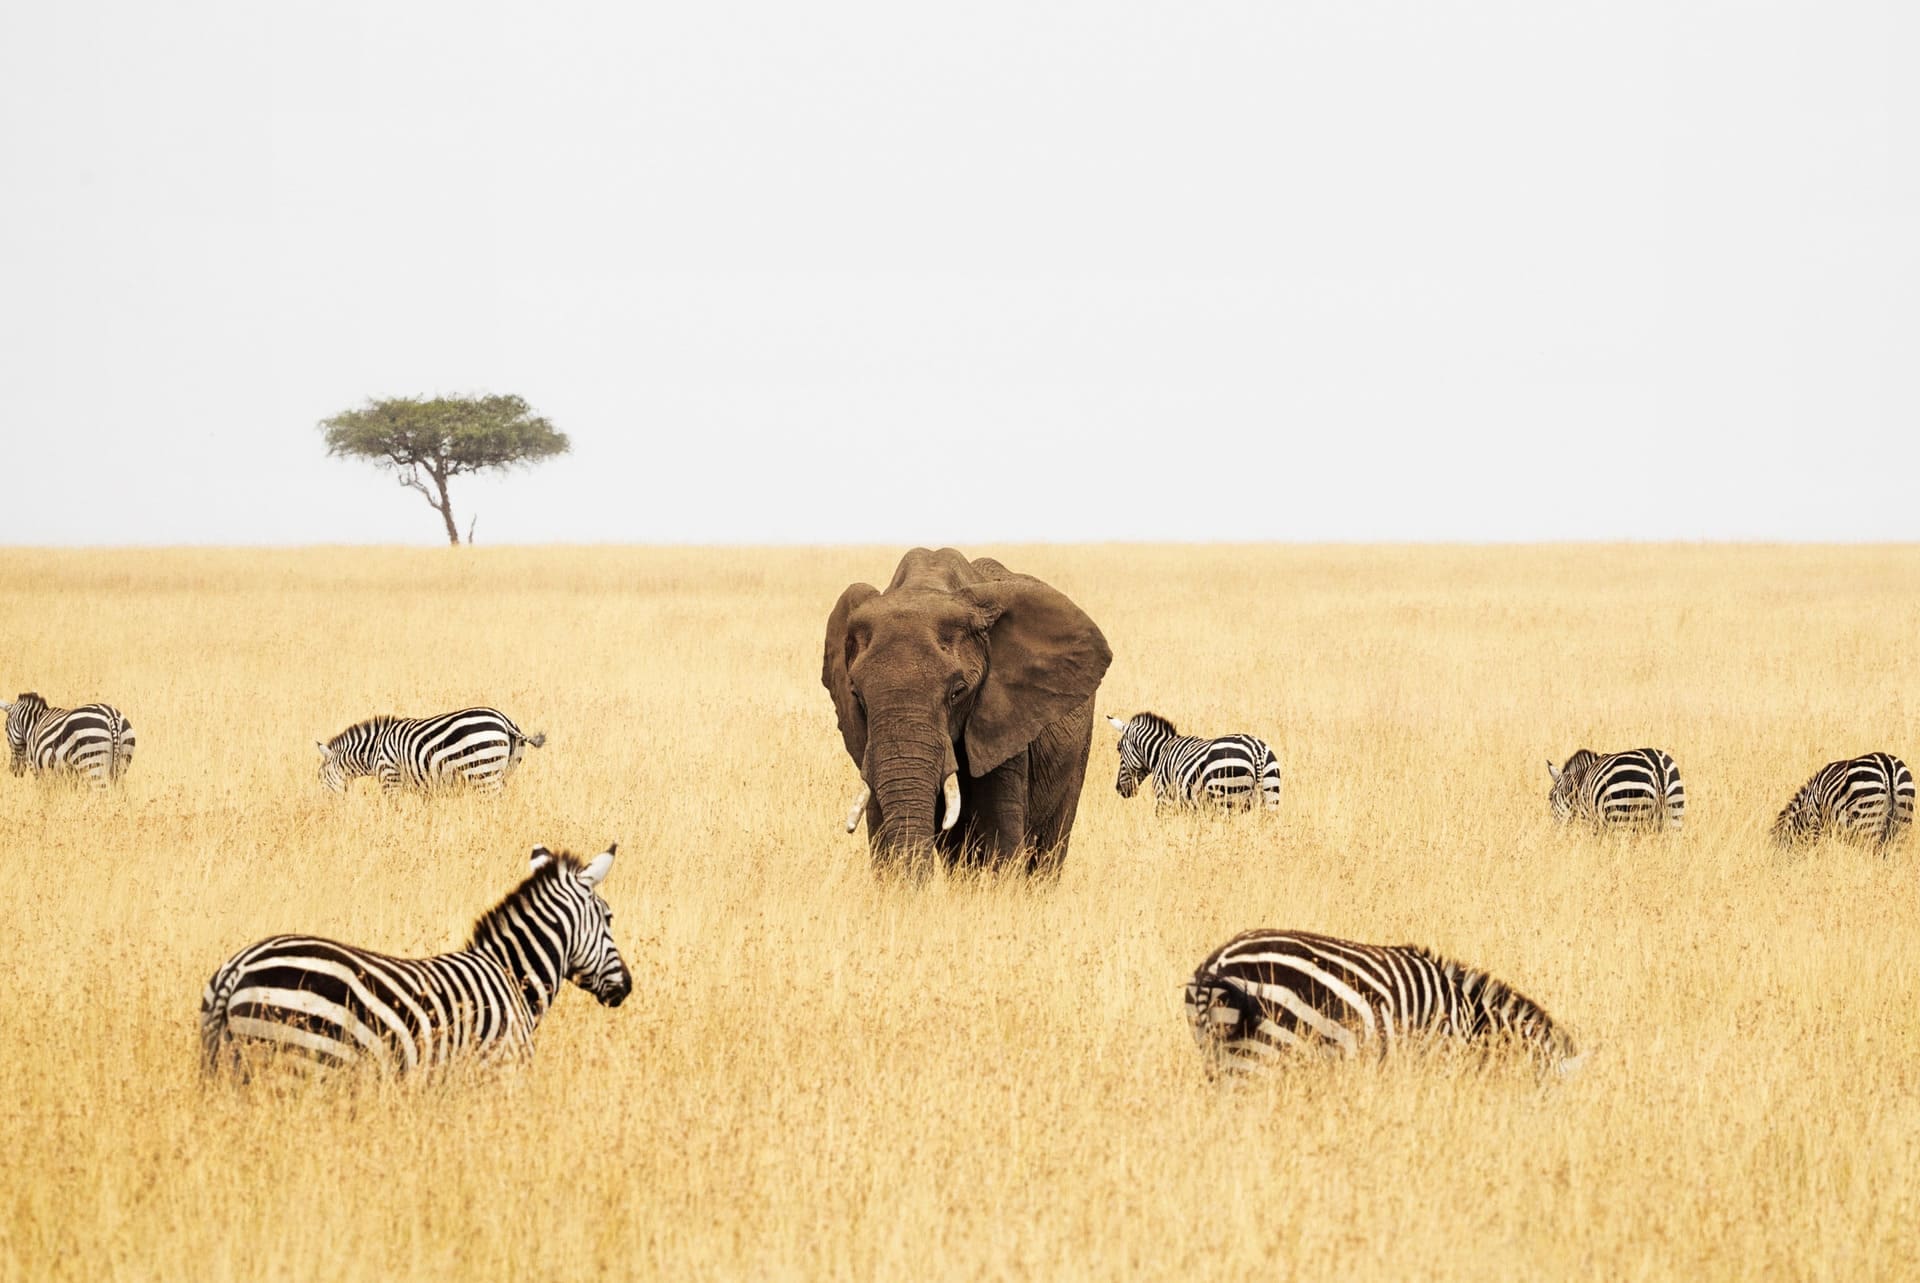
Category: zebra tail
<point>536,740</point>
<point>121,756</point>
<point>215,1037</point>
<point>1668,820</point>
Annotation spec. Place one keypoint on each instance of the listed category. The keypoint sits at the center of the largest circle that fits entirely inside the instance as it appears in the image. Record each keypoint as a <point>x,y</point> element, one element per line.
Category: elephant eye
<point>956,690</point>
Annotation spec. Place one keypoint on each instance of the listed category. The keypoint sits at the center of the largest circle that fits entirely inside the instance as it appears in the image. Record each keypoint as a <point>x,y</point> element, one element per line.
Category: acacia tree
<point>426,442</point>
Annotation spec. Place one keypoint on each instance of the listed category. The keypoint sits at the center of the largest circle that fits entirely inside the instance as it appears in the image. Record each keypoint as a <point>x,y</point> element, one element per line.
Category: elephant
<point>970,686</point>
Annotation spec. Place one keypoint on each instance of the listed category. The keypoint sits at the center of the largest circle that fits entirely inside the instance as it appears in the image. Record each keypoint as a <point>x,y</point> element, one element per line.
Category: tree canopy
<point>426,442</point>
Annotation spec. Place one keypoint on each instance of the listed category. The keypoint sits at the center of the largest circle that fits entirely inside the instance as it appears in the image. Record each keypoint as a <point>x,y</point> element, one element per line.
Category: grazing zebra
<point>1263,994</point>
<point>93,740</point>
<point>1861,799</point>
<point>1187,770</point>
<point>333,1004</point>
<point>475,746</point>
<point>1636,789</point>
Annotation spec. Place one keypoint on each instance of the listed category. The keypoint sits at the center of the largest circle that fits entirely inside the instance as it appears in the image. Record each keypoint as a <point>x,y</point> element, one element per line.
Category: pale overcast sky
<point>900,273</point>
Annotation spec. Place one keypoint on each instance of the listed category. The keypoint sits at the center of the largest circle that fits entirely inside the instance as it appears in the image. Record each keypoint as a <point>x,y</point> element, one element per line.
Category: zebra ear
<point>597,868</point>
<point>1553,772</point>
<point>1117,724</point>
<point>541,858</point>
<point>322,746</point>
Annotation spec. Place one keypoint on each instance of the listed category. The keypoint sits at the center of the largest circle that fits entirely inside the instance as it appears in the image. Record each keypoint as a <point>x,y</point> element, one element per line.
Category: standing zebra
<point>475,746</point>
<point>1639,789</point>
<point>1861,799</point>
<point>1188,771</point>
<point>333,1004</point>
<point>93,740</point>
<point>1265,993</point>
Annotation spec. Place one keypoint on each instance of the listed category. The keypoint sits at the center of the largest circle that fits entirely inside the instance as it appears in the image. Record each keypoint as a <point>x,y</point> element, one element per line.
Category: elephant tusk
<point>859,807</point>
<point>950,794</point>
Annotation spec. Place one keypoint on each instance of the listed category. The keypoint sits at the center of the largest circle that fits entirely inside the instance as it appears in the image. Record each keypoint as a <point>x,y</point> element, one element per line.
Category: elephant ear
<point>833,669</point>
<point>1045,658</point>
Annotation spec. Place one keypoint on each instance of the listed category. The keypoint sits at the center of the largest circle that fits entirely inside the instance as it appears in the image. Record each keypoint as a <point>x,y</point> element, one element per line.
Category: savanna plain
<point>824,1075</point>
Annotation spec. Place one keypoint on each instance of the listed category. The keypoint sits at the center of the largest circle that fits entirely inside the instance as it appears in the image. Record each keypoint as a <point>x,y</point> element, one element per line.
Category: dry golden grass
<point>817,1076</point>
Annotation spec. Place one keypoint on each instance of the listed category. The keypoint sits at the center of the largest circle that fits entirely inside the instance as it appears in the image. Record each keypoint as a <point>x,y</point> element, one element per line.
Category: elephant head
<point>953,670</point>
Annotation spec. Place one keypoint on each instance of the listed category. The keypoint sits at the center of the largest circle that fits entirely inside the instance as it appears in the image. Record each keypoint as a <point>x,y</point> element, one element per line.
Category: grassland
<point>819,1076</point>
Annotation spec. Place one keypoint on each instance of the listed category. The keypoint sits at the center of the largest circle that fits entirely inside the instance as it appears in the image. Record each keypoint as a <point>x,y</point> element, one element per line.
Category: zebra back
<point>1267,993</point>
<point>333,1004</point>
<point>1865,799</point>
<point>1639,788</point>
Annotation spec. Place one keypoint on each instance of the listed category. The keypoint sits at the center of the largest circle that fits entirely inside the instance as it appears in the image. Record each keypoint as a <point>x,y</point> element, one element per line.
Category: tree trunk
<point>445,506</point>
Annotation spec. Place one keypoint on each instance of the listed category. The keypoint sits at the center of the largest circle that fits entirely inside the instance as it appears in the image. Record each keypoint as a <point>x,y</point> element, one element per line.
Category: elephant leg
<point>1058,771</point>
<point>997,826</point>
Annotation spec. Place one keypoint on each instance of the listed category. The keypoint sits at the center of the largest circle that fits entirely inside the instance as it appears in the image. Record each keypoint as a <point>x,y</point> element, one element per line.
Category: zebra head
<point>1567,781</point>
<point>1221,1015</point>
<point>1217,1009</point>
<point>567,900</point>
<point>1141,740</point>
<point>22,713</point>
<point>333,773</point>
<point>1499,1012</point>
<point>1793,825</point>
<point>1799,821</point>
<point>351,753</point>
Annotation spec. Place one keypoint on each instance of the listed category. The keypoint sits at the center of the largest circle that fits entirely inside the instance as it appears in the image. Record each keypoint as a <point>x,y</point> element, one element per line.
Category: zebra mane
<point>1581,762</point>
<point>1481,988</point>
<point>1153,721</point>
<point>1484,988</point>
<point>1487,996</point>
<point>374,723</point>
<point>490,922</point>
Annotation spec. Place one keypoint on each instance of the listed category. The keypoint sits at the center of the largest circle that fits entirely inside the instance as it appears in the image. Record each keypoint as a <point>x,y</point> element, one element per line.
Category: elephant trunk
<point>910,770</point>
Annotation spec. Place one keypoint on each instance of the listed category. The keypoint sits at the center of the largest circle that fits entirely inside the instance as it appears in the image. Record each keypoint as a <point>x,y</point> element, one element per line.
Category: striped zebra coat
<point>1231,771</point>
<point>1266,994</point>
<point>92,742</point>
<point>475,747</point>
<point>1867,799</point>
<point>1638,789</point>
<point>331,1004</point>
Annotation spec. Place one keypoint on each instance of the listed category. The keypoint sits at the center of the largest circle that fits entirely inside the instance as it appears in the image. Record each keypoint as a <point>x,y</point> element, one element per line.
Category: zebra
<point>1640,788</point>
<point>1860,799</point>
<point>1267,993</point>
<point>330,1004</point>
<point>475,746</point>
<point>1188,771</point>
<point>93,740</point>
